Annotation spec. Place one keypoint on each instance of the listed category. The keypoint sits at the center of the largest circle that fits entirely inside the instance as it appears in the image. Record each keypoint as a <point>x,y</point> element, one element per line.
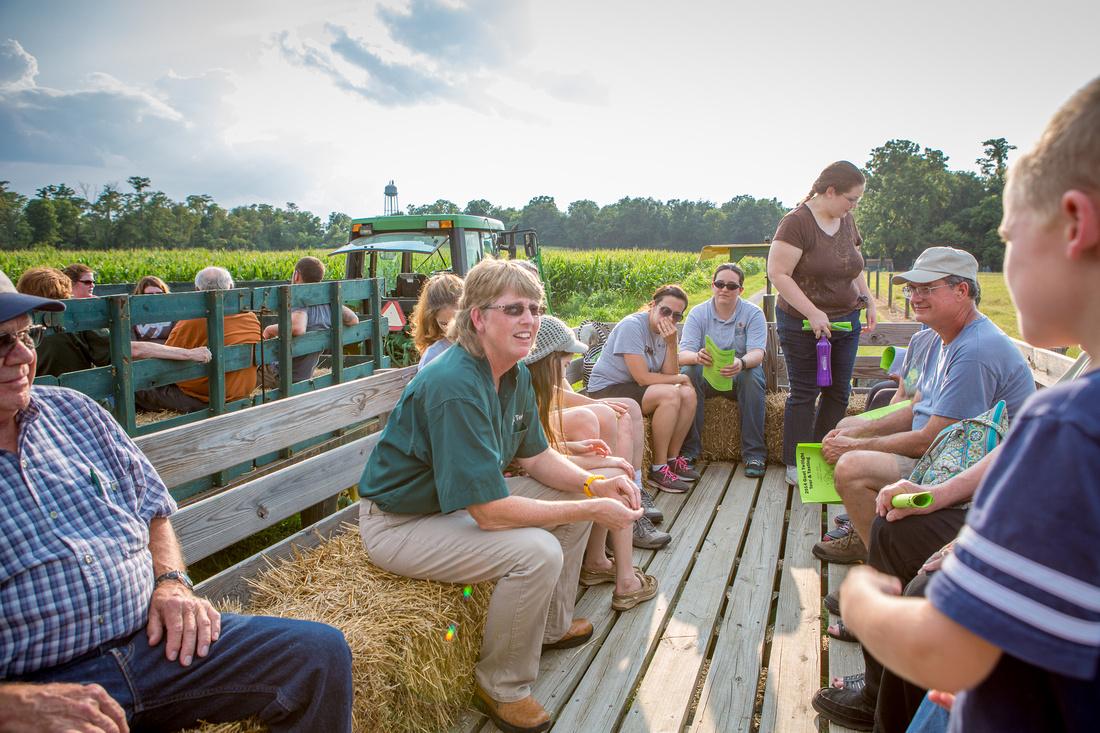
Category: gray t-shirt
<point>318,318</point>
<point>745,330</point>
<point>631,335</point>
<point>432,351</point>
<point>968,376</point>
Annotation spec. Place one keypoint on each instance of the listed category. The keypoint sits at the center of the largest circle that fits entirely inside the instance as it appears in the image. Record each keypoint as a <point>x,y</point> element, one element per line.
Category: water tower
<point>391,205</point>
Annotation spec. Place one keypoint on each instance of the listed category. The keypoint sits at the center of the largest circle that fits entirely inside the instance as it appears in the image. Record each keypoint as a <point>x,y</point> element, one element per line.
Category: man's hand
<point>200,354</point>
<point>704,357</point>
<point>612,514</point>
<point>863,581</point>
<point>935,562</point>
<point>619,488</point>
<point>733,369</point>
<point>59,706</point>
<point>884,508</point>
<point>832,448</point>
<point>192,623</point>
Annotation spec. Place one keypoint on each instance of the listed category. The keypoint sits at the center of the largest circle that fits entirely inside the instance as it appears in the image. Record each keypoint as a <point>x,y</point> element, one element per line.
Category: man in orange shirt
<point>194,394</point>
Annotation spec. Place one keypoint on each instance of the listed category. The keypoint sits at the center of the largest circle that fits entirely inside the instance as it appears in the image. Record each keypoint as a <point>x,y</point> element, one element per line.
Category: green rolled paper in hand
<point>919,500</point>
<point>835,326</point>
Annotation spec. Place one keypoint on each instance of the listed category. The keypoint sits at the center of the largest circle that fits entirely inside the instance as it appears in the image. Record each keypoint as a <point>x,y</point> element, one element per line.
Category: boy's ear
<point>1083,226</point>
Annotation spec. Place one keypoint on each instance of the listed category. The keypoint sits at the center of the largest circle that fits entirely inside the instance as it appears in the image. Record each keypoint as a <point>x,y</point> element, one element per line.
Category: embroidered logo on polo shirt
<point>517,420</point>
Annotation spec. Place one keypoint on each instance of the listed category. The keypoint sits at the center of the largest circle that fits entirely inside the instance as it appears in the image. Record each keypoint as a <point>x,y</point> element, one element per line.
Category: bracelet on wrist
<point>587,488</point>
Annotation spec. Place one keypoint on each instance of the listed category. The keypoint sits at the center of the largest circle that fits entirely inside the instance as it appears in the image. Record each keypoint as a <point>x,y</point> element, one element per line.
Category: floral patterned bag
<point>960,445</point>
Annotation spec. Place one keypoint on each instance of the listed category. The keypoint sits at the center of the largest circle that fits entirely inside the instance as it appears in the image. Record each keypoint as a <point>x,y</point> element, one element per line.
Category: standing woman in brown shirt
<point>816,265</point>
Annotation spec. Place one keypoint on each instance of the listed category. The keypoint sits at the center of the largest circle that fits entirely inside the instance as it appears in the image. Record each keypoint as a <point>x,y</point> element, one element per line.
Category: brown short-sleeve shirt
<point>829,265</point>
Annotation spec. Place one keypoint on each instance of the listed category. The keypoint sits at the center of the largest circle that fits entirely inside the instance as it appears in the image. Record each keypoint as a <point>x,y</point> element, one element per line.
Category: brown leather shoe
<point>579,632</point>
<point>521,716</point>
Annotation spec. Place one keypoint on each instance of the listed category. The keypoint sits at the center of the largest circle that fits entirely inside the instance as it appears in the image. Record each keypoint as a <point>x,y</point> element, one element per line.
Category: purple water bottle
<point>824,362</point>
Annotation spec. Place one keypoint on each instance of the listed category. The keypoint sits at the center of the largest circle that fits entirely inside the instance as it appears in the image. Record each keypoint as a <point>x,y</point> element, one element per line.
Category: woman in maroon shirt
<point>816,265</point>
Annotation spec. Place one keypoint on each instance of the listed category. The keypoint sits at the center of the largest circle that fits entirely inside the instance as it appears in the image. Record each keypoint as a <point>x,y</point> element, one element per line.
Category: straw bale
<point>407,675</point>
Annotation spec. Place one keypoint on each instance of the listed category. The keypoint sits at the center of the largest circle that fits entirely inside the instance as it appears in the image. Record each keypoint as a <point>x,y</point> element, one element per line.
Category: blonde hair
<point>441,291</point>
<point>1067,156</point>
<point>45,282</point>
<point>487,281</point>
<point>546,382</point>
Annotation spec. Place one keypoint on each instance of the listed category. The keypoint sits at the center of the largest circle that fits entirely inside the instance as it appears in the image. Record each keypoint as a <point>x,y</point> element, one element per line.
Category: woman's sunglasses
<point>516,309</point>
<point>727,284</point>
<point>667,312</point>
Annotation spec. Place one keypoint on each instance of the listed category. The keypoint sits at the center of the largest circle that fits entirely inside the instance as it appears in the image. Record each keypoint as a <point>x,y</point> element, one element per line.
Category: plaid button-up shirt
<point>75,567</point>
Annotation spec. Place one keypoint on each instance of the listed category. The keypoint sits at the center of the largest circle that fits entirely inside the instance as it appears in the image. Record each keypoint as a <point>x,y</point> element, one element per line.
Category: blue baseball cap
<point>14,303</point>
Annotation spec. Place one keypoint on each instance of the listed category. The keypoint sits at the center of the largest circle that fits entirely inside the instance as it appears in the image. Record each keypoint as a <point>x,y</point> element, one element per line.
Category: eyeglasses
<point>30,337</point>
<point>89,283</point>
<point>516,309</point>
<point>727,284</point>
<point>908,291</point>
<point>667,312</point>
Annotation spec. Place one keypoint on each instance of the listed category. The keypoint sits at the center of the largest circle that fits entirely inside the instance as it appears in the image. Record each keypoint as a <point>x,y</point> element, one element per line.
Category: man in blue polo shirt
<point>436,504</point>
<point>99,629</point>
<point>731,323</point>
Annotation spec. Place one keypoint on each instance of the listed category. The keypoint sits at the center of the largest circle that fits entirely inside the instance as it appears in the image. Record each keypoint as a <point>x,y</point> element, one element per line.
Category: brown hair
<point>546,381</point>
<point>45,282</point>
<point>311,269</point>
<point>441,291</point>
<point>1067,156</point>
<point>670,290</point>
<point>153,280</point>
<point>732,268</point>
<point>487,281</point>
<point>76,270</point>
<point>841,176</point>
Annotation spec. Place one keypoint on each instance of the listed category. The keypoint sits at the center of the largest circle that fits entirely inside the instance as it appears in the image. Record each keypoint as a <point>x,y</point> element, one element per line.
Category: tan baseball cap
<point>938,262</point>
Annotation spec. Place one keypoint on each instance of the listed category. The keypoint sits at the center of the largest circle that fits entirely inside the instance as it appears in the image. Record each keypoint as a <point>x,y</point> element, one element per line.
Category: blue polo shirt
<point>451,435</point>
<point>743,331</point>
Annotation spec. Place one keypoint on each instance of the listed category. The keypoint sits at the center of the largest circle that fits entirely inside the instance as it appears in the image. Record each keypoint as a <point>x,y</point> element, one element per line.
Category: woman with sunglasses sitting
<point>639,361</point>
<point>576,434</point>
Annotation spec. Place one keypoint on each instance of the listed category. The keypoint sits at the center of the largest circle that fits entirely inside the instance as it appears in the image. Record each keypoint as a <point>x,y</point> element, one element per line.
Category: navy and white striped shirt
<point>75,567</point>
<point>1025,575</point>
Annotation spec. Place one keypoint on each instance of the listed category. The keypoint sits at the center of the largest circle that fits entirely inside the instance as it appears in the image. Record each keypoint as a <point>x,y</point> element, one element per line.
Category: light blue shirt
<point>743,331</point>
<point>968,376</point>
<point>631,335</point>
<point>432,351</point>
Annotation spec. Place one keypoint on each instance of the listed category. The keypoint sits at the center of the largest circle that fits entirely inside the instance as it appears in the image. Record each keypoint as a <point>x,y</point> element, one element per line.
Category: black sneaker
<point>683,469</point>
<point>844,706</point>
<point>650,510</point>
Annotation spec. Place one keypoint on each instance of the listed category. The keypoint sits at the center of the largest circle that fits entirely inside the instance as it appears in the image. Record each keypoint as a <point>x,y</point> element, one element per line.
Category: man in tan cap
<point>958,367</point>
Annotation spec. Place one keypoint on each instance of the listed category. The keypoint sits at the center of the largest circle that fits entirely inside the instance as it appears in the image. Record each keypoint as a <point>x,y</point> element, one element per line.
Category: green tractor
<point>407,249</point>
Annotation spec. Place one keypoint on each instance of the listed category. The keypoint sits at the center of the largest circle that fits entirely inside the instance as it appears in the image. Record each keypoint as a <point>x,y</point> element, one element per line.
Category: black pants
<point>899,549</point>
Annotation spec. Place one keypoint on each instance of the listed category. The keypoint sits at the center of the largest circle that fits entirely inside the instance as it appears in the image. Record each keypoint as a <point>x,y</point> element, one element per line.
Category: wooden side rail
<point>190,451</point>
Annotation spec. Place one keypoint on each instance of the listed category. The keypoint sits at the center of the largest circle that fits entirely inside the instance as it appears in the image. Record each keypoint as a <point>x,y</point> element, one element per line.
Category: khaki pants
<point>536,570</point>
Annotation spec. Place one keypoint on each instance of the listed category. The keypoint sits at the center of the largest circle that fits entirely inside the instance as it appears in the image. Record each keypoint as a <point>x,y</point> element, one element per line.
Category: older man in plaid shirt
<point>99,629</point>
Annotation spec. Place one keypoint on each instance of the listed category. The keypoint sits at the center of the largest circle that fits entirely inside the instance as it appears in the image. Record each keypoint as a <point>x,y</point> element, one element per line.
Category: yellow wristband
<point>588,483</point>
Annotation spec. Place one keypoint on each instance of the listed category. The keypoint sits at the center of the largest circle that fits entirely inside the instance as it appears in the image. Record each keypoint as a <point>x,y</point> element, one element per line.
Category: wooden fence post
<point>877,273</point>
<point>771,354</point>
<point>286,342</point>
<point>890,292</point>
<point>376,335</point>
<point>336,304</point>
<point>122,360</point>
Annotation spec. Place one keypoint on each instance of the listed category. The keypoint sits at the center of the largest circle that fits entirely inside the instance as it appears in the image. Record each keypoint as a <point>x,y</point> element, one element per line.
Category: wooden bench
<point>309,483</point>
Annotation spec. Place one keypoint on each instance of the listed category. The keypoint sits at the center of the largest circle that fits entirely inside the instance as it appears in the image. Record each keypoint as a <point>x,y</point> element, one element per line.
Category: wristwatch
<point>177,575</point>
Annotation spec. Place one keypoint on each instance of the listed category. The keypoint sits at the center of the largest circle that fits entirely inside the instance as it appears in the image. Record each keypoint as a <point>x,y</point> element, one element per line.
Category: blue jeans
<point>293,675</point>
<point>748,390</point>
<point>803,421</point>
<point>930,718</point>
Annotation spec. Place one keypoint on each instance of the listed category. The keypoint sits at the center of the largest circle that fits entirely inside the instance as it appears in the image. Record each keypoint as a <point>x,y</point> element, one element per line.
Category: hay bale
<point>407,674</point>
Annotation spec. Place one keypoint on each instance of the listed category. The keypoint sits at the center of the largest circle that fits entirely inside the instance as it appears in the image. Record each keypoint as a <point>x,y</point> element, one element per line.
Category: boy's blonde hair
<point>487,281</point>
<point>1067,156</point>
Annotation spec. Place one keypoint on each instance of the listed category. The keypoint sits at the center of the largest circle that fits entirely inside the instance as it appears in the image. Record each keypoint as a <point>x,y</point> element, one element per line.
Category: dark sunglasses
<point>516,309</point>
<point>667,312</point>
<point>30,337</point>
<point>86,282</point>
<point>727,284</point>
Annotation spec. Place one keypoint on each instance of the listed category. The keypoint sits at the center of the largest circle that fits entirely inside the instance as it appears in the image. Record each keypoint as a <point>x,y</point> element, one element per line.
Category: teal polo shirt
<point>450,437</point>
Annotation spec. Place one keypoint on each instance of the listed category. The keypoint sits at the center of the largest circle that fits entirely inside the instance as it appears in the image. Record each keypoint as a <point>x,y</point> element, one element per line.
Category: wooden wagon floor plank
<point>729,691</point>
<point>844,656</point>
<point>668,686</point>
<point>602,692</point>
<point>794,665</point>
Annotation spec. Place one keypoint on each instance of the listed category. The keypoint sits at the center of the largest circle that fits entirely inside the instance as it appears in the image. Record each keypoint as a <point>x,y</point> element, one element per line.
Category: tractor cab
<point>407,249</point>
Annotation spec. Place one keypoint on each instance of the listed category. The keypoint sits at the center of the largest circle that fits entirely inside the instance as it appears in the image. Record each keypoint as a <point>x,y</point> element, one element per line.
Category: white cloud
<point>17,67</point>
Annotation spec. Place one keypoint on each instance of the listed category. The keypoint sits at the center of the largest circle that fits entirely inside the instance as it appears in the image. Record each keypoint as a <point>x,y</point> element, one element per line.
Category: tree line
<point>912,201</point>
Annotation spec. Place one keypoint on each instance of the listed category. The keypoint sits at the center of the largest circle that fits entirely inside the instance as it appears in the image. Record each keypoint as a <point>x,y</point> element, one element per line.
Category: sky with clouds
<point>322,103</point>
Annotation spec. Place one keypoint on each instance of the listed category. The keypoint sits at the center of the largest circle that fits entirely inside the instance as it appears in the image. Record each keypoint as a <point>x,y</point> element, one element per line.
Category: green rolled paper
<point>919,500</point>
<point>834,326</point>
